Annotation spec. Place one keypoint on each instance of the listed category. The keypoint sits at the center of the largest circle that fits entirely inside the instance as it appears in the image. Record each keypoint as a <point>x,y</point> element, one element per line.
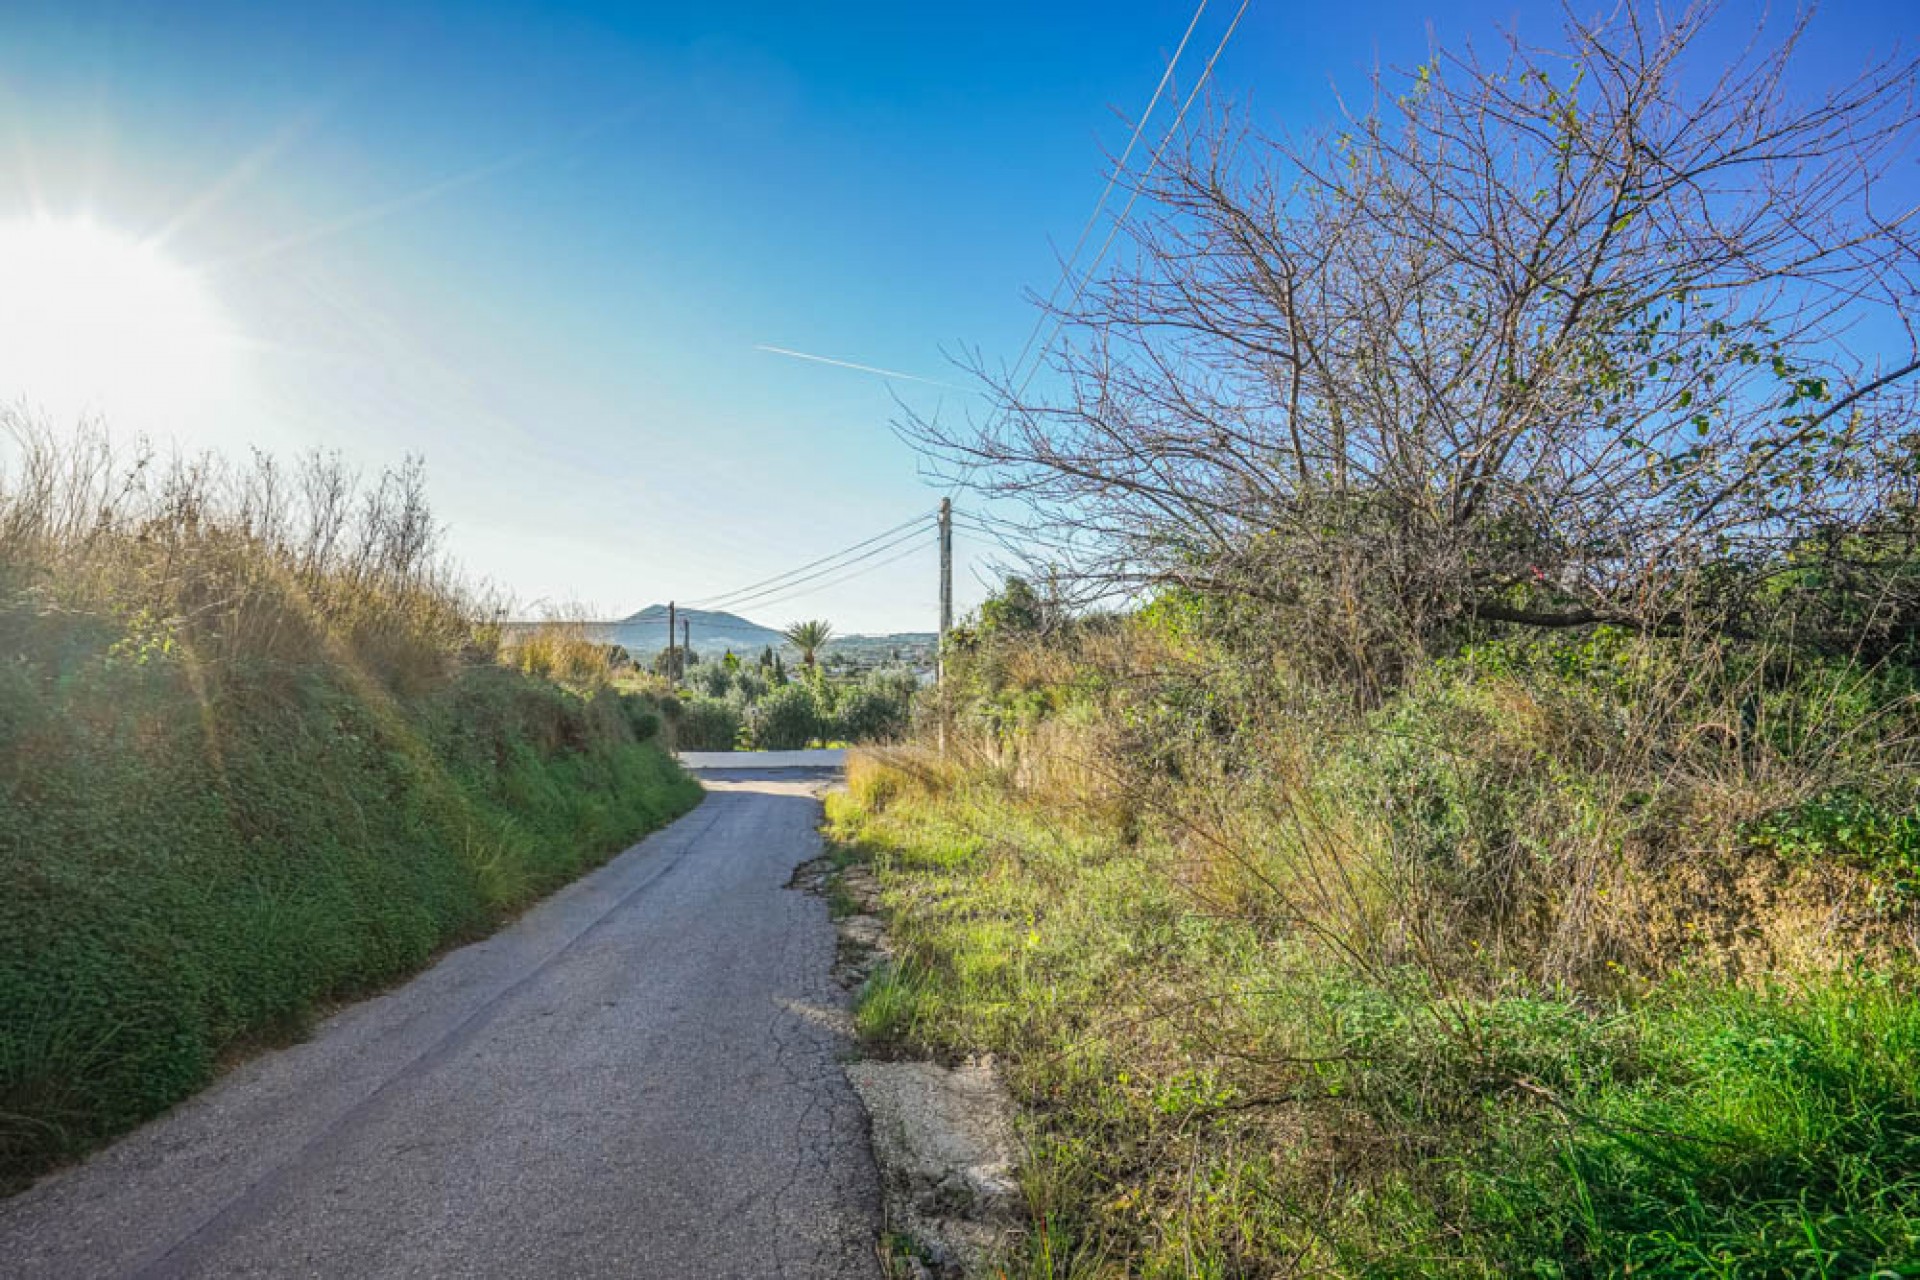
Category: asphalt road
<point>641,1077</point>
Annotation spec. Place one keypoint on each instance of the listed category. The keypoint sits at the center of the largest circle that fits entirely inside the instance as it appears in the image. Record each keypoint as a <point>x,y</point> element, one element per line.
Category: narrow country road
<point>641,1077</point>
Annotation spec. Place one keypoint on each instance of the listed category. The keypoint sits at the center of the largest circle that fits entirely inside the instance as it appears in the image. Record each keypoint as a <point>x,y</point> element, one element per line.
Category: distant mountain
<point>645,633</point>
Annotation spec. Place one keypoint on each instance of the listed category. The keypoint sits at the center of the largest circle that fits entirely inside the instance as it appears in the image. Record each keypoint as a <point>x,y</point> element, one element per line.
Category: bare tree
<point>1592,333</point>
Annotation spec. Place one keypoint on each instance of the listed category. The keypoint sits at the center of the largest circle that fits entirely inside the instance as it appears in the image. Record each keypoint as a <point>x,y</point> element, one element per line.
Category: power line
<point>1040,357</point>
<point>1002,541</point>
<point>759,599</point>
<point>776,578</point>
<point>993,524</point>
<point>1134,196</point>
<point>758,596</point>
<point>857,573</point>
<point>996,522</point>
<point>1113,178</point>
<point>1017,541</point>
<point>779,581</point>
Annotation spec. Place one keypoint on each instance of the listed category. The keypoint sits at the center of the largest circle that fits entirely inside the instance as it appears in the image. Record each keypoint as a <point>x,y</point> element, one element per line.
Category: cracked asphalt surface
<point>640,1077</point>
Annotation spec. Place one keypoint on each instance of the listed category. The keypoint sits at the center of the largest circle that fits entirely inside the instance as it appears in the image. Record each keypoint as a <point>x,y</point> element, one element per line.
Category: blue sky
<point>541,244</point>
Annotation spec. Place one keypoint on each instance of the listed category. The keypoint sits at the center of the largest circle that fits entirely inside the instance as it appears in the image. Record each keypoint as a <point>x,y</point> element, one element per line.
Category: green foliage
<point>1847,827</point>
<point>748,686</point>
<point>877,709</point>
<point>186,868</point>
<point>257,755</point>
<point>1014,610</point>
<point>643,717</point>
<point>1711,1131</point>
<point>725,702</point>
<point>708,724</point>
<point>808,638</point>
<point>673,660</point>
<point>787,719</point>
<point>1199,1091</point>
<point>1579,953</point>
<point>712,679</point>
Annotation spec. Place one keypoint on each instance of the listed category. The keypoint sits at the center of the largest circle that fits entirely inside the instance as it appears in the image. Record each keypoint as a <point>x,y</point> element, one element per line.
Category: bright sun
<point>94,323</point>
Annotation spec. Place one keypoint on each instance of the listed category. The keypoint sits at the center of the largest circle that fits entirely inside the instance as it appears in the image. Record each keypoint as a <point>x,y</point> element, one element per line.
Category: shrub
<point>878,708</point>
<point>643,716</point>
<point>707,724</point>
<point>711,678</point>
<point>786,719</point>
<point>749,686</point>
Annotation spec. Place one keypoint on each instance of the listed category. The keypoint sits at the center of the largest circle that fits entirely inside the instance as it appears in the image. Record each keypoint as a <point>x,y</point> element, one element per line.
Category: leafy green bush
<point>1848,827</point>
<point>707,724</point>
<point>748,686</point>
<point>868,715</point>
<point>711,678</point>
<point>786,719</point>
<point>642,717</point>
<point>876,709</point>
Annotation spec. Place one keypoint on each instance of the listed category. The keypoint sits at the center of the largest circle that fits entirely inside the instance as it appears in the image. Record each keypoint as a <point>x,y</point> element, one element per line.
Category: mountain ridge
<point>645,631</point>
<point>712,632</point>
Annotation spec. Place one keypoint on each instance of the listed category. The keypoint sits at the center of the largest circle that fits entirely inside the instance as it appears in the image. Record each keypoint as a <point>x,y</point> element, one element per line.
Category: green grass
<point>189,870</point>
<point>1203,1097</point>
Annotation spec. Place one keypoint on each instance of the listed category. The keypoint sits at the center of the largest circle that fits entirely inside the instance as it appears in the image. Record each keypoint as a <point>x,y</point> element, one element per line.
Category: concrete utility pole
<point>946,611</point>
<point>686,637</point>
<point>673,659</point>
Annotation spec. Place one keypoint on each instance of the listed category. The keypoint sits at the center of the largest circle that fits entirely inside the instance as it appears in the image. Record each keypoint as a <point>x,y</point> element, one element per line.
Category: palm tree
<point>808,637</point>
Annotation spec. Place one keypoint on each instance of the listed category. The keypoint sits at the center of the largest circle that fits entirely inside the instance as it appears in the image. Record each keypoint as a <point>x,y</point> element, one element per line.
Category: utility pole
<point>946,611</point>
<point>673,658</point>
<point>946,578</point>
<point>686,637</point>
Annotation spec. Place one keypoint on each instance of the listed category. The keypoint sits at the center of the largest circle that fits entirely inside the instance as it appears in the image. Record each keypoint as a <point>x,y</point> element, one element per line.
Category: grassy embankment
<point>1576,957</point>
<point>257,756</point>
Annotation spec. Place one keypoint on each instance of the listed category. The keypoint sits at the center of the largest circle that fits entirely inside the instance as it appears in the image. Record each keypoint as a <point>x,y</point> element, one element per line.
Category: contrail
<point>862,368</point>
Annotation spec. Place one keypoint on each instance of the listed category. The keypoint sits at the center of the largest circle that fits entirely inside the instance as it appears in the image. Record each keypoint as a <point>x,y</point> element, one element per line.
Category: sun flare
<point>92,322</point>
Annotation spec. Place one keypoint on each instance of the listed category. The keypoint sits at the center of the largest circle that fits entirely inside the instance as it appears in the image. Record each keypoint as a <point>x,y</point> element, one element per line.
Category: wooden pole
<point>673,659</point>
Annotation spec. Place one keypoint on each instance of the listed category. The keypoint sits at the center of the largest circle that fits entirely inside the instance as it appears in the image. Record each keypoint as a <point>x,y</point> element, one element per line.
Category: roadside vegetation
<point>1487,841</point>
<point>258,755</point>
<point>729,704</point>
<point>1531,969</point>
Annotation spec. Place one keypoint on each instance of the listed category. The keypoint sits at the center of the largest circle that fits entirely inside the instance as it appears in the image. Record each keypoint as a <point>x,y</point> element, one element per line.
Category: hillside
<point>713,633</point>
<point>710,631</point>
